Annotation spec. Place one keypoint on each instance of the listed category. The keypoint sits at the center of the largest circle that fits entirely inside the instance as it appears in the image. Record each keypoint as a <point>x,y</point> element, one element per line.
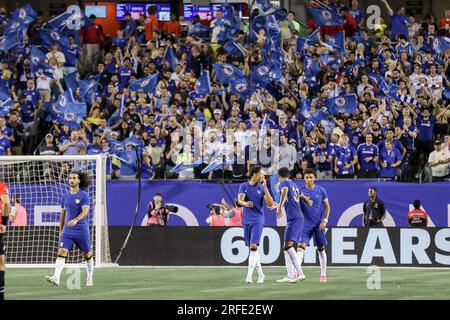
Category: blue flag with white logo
<point>4,91</point>
<point>342,104</point>
<point>326,17</point>
<point>198,30</point>
<point>9,41</point>
<point>171,57</point>
<point>315,119</point>
<point>230,24</point>
<point>202,86</point>
<point>226,71</point>
<point>38,61</point>
<point>24,15</point>
<point>73,19</point>
<point>118,114</point>
<point>72,80</point>
<point>68,111</point>
<point>50,37</point>
<point>337,42</point>
<point>241,87</point>
<point>5,107</point>
<point>147,85</point>
<point>441,44</point>
<point>231,47</point>
<point>265,7</point>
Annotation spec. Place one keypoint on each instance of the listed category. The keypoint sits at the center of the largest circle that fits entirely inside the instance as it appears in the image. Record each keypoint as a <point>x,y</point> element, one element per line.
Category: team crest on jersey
<point>77,200</point>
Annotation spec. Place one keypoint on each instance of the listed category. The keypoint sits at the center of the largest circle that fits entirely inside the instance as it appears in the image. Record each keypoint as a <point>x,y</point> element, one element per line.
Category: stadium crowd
<point>390,86</point>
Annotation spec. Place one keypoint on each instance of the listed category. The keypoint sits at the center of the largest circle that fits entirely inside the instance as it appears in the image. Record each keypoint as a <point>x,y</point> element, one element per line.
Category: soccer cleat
<point>284,280</point>
<point>323,278</point>
<point>298,279</point>
<point>52,280</point>
<point>261,279</point>
<point>249,281</point>
<point>89,283</point>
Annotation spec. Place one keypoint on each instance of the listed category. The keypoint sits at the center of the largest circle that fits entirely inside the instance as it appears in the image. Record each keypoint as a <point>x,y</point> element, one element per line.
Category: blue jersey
<point>124,76</point>
<point>33,96</point>
<point>292,204</point>
<point>120,42</point>
<point>5,144</point>
<point>255,194</point>
<point>365,151</point>
<point>353,135</point>
<point>389,158</point>
<point>323,155</point>
<point>345,155</point>
<point>399,25</point>
<point>73,204</point>
<point>130,29</point>
<point>72,54</point>
<point>425,128</point>
<point>313,214</point>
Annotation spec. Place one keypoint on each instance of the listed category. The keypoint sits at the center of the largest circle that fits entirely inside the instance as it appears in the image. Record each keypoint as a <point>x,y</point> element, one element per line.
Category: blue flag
<point>274,187</point>
<point>233,48</point>
<point>73,19</point>
<point>441,44</point>
<point>342,104</point>
<point>337,42</point>
<point>265,7</point>
<point>38,62</point>
<point>203,84</point>
<point>226,72</point>
<point>263,129</point>
<point>171,57</point>
<point>180,167</point>
<point>4,91</point>
<point>304,109</point>
<point>89,86</point>
<point>315,119</point>
<point>118,114</point>
<point>72,80</point>
<point>326,17</point>
<point>24,15</point>
<point>69,112</point>
<point>8,41</point>
<point>147,85</point>
<point>198,30</point>
<point>51,37</point>
<point>241,87</point>
<point>447,93</point>
<point>5,107</point>
<point>230,24</point>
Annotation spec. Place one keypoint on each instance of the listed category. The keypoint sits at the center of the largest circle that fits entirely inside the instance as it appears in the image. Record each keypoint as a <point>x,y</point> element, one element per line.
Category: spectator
<point>323,159</point>
<point>439,161</point>
<point>49,148</point>
<point>234,214</point>
<point>374,210</point>
<point>288,154</point>
<point>151,23</point>
<point>390,161</point>
<point>5,145</point>
<point>173,26</point>
<point>18,134</point>
<point>368,156</point>
<point>399,22</point>
<point>345,160</point>
<point>417,217</point>
<point>92,40</point>
<point>148,169</point>
<point>73,145</point>
<point>18,213</point>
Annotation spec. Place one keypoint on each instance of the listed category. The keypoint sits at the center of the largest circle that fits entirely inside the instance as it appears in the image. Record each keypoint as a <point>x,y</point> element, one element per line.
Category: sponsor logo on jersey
<point>77,200</point>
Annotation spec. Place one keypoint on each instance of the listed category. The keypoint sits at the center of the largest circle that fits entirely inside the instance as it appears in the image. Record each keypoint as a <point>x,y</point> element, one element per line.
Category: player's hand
<point>309,202</point>
<point>263,181</point>
<point>323,225</point>
<point>2,228</point>
<point>72,223</point>
<point>249,204</point>
<point>279,213</point>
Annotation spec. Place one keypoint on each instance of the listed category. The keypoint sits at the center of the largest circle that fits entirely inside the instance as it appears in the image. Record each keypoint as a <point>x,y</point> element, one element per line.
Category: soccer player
<point>290,196</point>
<point>74,226</point>
<point>251,196</point>
<point>5,207</point>
<point>315,223</point>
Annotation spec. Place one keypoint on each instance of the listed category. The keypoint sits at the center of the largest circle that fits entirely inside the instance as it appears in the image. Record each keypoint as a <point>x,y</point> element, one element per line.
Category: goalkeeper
<point>74,226</point>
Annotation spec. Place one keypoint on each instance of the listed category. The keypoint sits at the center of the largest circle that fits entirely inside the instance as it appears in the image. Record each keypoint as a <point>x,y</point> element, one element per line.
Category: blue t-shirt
<point>33,96</point>
<point>397,145</point>
<point>255,194</point>
<point>130,29</point>
<point>286,130</point>
<point>313,214</point>
<point>5,144</point>
<point>409,139</point>
<point>26,111</point>
<point>120,42</point>
<point>147,171</point>
<point>124,76</point>
<point>353,135</point>
<point>73,204</point>
<point>365,151</point>
<point>72,54</point>
<point>389,157</point>
<point>345,155</point>
<point>399,25</point>
<point>323,155</point>
<point>425,128</point>
<point>292,204</point>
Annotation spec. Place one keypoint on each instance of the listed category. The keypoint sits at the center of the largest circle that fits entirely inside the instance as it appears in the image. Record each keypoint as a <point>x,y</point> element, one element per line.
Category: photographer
<point>158,213</point>
<point>417,218</point>
<point>215,218</point>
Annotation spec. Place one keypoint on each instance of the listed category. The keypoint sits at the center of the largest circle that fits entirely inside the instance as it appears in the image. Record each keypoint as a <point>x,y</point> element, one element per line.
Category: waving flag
<point>241,86</point>
<point>263,129</point>
<point>326,16</point>
<point>265,7</point>
<point>230,24</point>
<point>8,42</point>
<point>234,49</point>
<point>118,114</point>
<point>441,44</point>
<point>72,80</point>
<point>51,37</point>
<point>315,119</point>
<point>73,19</point>
<point>24,15</point>
<point>203,84</point>
<point>38,61</point>
<point>5,107</point>
<point>304,109</point>
<point>180,167</point>
<point>68,111</point>
<point>337,42</point>
<point>342,104</point>
<point>89,86</point>
<point>265,71</point>
<point>226,72</point>
<point>447,93</point>
<point>171,57</point>
<point>198,30</point>
<point>147,85</point>
<point>4,91</point>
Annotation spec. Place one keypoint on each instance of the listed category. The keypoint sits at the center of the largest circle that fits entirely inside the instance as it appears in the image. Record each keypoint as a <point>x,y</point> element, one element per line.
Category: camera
<point>214,208</point>
<point>171,208</point>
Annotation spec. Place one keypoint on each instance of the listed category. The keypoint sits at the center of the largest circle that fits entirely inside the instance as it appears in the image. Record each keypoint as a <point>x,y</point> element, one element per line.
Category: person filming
<point>157,212</point>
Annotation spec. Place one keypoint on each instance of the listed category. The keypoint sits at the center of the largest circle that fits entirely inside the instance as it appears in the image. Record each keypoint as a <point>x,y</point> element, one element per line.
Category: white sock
<point>258,265</point>
<point>90,268</point>
<point>323,262</point>
<point>295,261</point>
<point>59,266</point>
<point>252,260</point>
<point>300,254</point>
<point>289,265</point>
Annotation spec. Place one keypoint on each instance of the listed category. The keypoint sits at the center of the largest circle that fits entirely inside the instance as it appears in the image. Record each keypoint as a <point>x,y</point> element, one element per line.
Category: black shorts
<point>2,245</point>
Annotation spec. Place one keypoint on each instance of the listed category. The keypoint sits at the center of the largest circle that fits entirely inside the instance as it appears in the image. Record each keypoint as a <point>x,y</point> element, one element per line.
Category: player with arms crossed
<point>74,226</point>
<point>290,197</point>
<point>251,196</point>
<point>315,223</point>
<point>5,207</point>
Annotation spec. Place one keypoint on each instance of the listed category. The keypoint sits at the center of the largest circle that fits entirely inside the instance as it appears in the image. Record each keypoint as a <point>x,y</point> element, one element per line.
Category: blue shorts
<point>319,235</point>
<point>81,240</point>
<point>252,233</point>
<point>293,231</point>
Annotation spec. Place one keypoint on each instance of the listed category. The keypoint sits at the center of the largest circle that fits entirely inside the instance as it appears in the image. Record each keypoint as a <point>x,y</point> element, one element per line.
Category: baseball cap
<point>438,142</point>
<point>48,135</point>
<point>217,111</point>
<point>292,141</point>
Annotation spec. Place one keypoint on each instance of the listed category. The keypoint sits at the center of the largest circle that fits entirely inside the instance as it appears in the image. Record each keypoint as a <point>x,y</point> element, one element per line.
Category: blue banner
<point>346,200</point>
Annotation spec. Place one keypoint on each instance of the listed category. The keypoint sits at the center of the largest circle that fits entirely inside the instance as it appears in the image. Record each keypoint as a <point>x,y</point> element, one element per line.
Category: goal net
<point>36,184</point>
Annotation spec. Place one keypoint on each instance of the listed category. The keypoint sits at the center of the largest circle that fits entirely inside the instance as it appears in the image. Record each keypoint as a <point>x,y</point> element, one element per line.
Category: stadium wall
<point>178,246</point>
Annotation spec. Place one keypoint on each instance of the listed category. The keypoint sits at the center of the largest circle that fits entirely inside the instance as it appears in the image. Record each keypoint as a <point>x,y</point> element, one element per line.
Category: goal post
<point>37,183</point>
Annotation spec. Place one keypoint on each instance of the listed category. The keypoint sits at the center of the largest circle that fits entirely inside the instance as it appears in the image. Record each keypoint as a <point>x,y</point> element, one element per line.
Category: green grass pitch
<point>228,284</point>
